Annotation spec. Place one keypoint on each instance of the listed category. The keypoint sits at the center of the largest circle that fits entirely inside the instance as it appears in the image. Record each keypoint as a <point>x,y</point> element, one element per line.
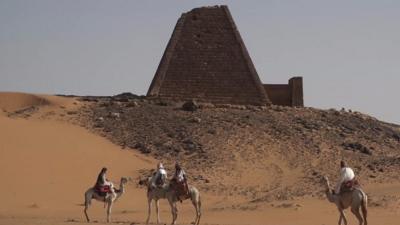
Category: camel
<point>353,199</point>
<point>108,200</point>
<point>166,192</point>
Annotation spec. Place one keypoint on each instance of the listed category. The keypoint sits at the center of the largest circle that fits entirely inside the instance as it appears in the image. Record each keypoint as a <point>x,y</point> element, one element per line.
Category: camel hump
<point>360,190</point>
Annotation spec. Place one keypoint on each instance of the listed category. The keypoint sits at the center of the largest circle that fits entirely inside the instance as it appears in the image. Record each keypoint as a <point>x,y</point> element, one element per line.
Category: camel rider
<point>102,184</point>
<point>160,176</point>
<point>181,182</point>
<point>346,175</point>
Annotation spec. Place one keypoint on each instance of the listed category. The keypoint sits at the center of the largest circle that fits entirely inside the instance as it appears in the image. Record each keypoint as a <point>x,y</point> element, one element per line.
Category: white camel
<point>108,200</point>
<point>353,199</point>
<point>167,192</point>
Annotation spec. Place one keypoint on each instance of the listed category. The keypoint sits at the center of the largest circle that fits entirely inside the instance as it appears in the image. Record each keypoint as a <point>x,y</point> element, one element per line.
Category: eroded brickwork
<point>296,91</point>
<point>207,60</point>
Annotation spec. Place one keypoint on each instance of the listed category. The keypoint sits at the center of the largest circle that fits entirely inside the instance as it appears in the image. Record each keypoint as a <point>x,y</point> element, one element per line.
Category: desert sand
<point>47,162</point>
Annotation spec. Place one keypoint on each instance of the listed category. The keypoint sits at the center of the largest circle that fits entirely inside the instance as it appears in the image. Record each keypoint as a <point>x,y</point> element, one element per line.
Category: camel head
<point>144,181</point>
<point>124,180</point>
<point>325,179</point>
<point>121,189</point>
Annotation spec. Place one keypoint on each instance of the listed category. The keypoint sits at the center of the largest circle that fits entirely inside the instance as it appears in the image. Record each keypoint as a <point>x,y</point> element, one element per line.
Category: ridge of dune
<point>16,104</point>
<point>11,101</point>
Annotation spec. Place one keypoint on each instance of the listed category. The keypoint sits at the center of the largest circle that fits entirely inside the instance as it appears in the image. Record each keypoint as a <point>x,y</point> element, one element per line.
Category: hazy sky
<point>348,52</point>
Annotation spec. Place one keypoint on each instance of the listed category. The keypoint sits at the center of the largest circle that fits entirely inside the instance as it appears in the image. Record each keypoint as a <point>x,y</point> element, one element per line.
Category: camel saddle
<point>349,186</point>
<point>102,190</point>
<point>181,189</point>
<point>160,180</point>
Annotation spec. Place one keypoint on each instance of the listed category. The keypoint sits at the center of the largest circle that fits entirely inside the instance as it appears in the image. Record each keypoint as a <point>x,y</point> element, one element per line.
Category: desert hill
<point>275,152</point>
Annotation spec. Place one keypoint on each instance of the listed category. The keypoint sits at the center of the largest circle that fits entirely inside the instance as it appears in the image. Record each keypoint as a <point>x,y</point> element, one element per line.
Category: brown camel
<point>354,199</point>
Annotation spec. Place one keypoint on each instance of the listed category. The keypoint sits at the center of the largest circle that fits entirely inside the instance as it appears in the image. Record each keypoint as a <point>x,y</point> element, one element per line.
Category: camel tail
<point>364,208</point>
<point>199,203</point>
<point>199,213</point>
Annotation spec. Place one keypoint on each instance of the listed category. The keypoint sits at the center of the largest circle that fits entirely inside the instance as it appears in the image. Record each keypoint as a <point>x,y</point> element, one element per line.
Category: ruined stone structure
<point>206,60</point>
<point>290,94</point>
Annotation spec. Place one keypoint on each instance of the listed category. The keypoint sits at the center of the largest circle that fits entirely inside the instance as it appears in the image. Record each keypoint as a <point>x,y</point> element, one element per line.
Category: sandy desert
<point>48,160</point>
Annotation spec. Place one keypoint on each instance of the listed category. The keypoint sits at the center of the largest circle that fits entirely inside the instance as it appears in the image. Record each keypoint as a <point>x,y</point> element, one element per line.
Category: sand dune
<point>11,101</point>
<point>17,104</point>
<point>40,161</point>
<point>46,164</point>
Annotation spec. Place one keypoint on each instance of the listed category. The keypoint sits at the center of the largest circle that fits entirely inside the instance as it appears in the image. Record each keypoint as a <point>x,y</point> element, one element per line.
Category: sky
<point>347,51</point>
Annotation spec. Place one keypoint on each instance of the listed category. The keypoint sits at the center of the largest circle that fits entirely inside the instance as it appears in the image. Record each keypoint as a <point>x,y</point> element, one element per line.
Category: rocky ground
<point>277,153</point>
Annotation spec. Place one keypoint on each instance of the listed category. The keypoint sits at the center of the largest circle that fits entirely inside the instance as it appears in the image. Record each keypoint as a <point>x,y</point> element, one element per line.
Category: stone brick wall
<point>290,94</point>
<point>207,60</point>
<point>279,94</point>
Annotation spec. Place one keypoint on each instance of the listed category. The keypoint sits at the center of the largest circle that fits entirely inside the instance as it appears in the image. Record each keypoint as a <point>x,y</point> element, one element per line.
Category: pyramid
<point>206,60</point>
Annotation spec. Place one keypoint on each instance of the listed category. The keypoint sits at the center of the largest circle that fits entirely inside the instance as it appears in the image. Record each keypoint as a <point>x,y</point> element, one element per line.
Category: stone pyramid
<point>206,60</point>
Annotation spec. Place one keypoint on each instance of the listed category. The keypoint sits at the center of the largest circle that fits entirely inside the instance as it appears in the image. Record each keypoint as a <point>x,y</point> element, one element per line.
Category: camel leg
<point>85,210</point>
<point>364,212</point>
<point>174,212</point>
<point>364,208</point>
<point>109,206</point>
<point>197,205</point>
<point>356,212</point>
<point>87,204</point>
<point>148,210</point>
<point>342,217</point>
<point>157,211</point>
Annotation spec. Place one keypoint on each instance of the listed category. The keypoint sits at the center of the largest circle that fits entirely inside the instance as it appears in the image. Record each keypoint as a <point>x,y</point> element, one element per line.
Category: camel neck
<point>121,189</point>
<point>329,195</point>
